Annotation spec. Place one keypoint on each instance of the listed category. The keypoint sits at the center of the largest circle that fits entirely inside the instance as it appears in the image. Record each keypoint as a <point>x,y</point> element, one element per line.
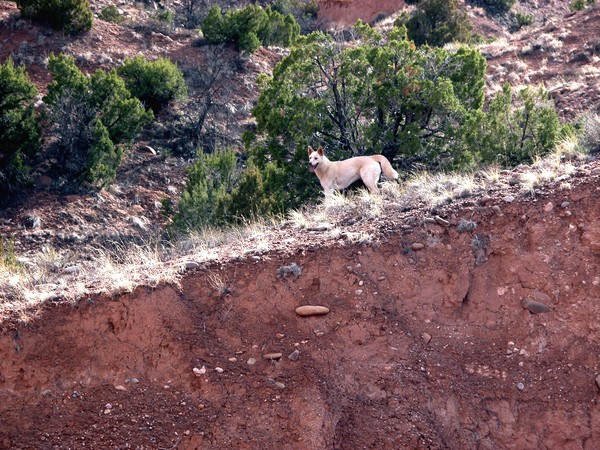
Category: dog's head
<point>314,158</point>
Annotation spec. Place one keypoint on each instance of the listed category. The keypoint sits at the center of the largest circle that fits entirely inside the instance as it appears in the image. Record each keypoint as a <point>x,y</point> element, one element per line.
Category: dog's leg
<point>370,177</point>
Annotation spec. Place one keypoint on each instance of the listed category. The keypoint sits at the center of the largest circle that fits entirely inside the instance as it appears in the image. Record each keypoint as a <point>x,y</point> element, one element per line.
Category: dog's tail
<point>386,167</point>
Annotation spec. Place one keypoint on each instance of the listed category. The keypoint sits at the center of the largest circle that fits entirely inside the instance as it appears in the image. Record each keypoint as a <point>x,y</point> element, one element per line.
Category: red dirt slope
<point>432,348</point>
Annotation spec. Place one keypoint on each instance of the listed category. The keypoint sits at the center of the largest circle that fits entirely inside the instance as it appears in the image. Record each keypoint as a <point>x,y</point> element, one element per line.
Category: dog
<point>338,175</point>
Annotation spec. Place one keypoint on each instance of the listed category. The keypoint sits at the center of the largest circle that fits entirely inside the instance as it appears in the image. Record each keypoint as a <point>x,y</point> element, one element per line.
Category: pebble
<point>272,356</point>
<point>534,306</point>
<point>251,361</point>
<point>312,310</point>
<point>280,336</point>
<point>548,207</point>
<point>509,199</point>
<point>120,387</point>
<point>358,292</point>
<point>72,269</point>
<point>598,381</point>
<point>199,372</point>
<point>416,246</point>
<point>232,359</point>
<point>219,370</point>
<point>565,204</point>
<point>279,385</point>
<point>426,337</point>
<point>497,210</point>
<point>294,355</point>
<point>520,386</point>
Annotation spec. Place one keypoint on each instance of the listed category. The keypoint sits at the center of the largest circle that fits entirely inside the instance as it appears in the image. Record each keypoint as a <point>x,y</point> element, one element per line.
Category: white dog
<point>337,175</point>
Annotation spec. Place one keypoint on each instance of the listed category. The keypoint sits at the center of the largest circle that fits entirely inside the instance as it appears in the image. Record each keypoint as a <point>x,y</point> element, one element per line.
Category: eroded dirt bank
<point>427,348</point>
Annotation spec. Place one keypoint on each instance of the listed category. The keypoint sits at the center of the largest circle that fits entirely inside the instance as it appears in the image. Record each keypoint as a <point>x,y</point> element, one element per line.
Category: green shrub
<point>580,5</point>
<point>156,83</point>
<point>515,128</point>
<point>495,5</point>
<point>165,16</point>
<point>69,16</point>
<point>523,20</point>
<point>219,192</point>
<point>209,182</point>
<point>437,22</point>
<point>110,13</point>
<point>589,134</point>
<point>250,27</point>
<point>93,119</point>
<point>19,127</point>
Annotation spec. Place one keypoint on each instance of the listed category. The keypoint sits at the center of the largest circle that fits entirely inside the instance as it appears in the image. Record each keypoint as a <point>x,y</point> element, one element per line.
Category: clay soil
<point>429,348</point>
<point>485,338</point>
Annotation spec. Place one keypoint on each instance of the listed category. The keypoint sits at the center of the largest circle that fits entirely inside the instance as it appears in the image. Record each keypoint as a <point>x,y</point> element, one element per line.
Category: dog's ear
<point>320,151</point>
<point>310,150</point>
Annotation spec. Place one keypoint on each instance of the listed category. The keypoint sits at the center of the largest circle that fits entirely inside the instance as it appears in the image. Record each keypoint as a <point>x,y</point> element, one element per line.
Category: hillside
<point>462,311</point>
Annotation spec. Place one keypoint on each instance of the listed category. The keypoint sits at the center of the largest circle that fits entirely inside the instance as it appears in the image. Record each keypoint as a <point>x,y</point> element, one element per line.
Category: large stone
<point>312,310</point>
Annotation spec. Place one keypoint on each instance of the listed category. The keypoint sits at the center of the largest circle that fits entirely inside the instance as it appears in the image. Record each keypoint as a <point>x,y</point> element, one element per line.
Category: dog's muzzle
<point>312,168</point>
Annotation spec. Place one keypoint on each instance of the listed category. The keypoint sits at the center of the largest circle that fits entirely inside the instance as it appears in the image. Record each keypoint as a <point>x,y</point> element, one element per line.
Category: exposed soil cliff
<point>487,337</point>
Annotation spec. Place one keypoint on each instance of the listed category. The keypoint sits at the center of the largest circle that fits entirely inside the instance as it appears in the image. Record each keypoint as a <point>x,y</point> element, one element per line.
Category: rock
<point>292,269</point>
<point>416,246</point>
<point>120,387</point>
<point>565,204</point>
<point>426,337</point>
<point>191,265</point>
<point>219,370</point>
<point>485,200</point>
<point>272,356</point>
<point>279,384</point>
<point>199,372</point>
<point>251,361</point>
<point>509,199</point>
<point>520,386</point>
<point>72,269</point>
<point>232,359</point>
<point>312,310</point>
<point>548,207</point>
<point>441,221</point>
<point>534,306</point>
<point>592,240</point>
<point>598,381</point>
<point>294,355</point>
<point>279,336</point>
<point>497,210</point>
<point>358,292</point>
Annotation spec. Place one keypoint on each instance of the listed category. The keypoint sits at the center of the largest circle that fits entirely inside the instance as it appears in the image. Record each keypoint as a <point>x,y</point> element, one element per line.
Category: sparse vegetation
<point>590,131</point>
<point>580,5</point>
<point>111,13</point>
<point>499,6</point>
<point>523,19</point>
